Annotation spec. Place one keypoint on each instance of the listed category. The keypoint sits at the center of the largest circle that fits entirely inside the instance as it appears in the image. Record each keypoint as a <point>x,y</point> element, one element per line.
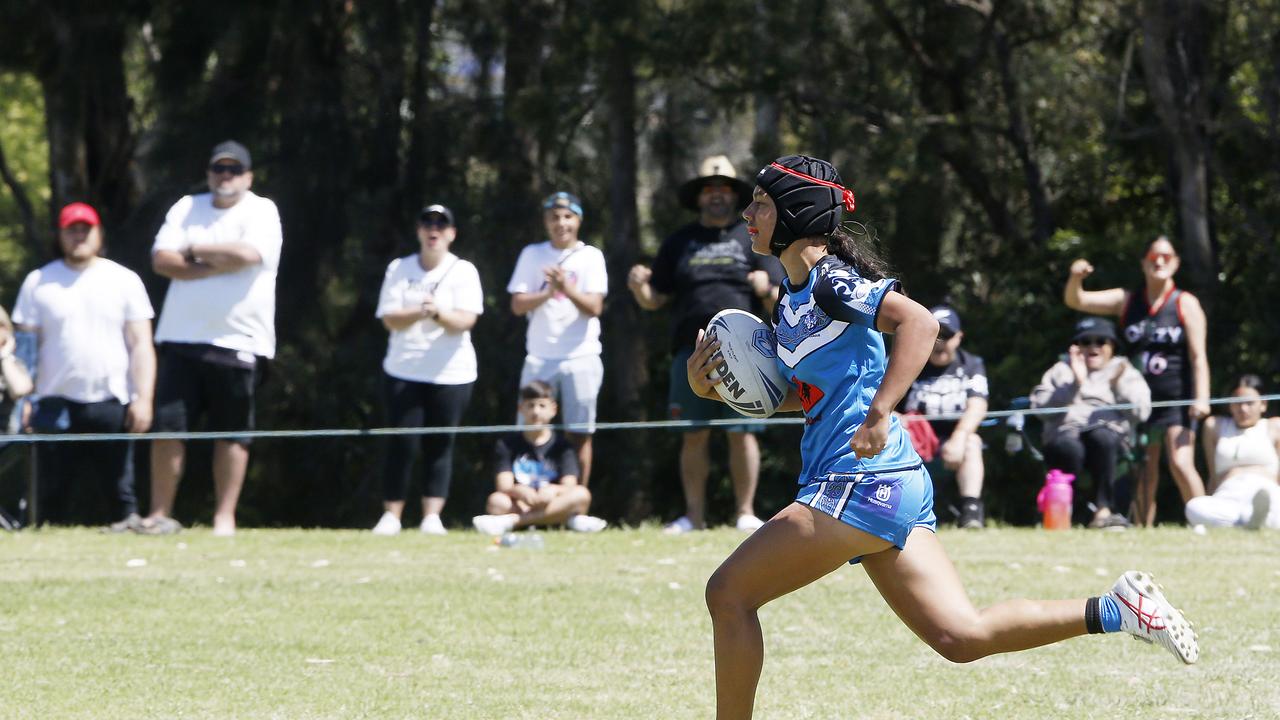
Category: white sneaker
<point>388,524</point>
<point>679,526</point>
<point>749,523</point>
<point>1148,616</point>
<point>1261,509</point>
<point>431,525</point>
<point>586,524</point>
<point>493,524</point>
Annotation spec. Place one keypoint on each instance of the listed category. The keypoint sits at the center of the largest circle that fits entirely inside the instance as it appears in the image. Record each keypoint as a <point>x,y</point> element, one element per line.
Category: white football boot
<point>1148,616</point>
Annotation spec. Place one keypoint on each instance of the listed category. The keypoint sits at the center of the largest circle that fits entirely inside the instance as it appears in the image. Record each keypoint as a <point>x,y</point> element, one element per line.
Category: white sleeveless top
<point>1250,447</point>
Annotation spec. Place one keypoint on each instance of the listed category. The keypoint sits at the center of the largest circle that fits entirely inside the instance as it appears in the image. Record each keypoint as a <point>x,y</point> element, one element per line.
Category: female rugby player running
<point>864,493</point>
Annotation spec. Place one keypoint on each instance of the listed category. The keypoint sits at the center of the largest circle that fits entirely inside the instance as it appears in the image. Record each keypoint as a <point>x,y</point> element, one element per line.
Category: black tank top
<point>1158,343</point>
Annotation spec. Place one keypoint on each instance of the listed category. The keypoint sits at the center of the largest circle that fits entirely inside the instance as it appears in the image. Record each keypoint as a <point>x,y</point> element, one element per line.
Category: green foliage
<point>989,144</point>
<point>26,149</point>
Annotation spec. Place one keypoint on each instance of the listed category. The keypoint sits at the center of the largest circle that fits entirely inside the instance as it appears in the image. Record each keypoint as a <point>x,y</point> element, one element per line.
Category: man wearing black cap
<point>955,381</point>
<point>220,251</point>
<point>703,268</point>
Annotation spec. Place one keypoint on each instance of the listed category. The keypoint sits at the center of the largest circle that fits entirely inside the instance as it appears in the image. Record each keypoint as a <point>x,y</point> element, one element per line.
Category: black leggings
<point>60,467</point>
<point>415,404</point>
<point>1099,451</point>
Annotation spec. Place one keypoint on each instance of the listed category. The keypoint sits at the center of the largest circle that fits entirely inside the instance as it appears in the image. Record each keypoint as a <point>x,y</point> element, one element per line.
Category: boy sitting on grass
<point>537,474</point>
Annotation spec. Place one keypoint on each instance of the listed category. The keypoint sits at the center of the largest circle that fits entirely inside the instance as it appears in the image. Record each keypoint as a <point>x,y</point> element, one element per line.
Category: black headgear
<point>809,197</point>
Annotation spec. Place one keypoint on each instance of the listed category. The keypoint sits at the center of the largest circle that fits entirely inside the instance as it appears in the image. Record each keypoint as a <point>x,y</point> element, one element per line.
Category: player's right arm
<point>1093,302</point>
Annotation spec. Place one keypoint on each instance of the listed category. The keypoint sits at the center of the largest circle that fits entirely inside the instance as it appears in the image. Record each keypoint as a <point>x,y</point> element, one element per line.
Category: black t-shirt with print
<point>535,465</point>
<point>946,389</point>
<point>705,269</point>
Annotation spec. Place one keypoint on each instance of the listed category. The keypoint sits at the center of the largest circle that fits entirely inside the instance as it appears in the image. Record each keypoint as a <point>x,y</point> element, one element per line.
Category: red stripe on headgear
<point>845,193</point>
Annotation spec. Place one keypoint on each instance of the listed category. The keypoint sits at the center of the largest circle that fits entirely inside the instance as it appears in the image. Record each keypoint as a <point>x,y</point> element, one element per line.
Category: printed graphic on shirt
<point>947,389</point>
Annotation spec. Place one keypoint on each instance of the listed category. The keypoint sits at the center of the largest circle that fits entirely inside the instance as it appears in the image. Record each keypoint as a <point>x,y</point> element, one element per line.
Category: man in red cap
<point>96,367</point>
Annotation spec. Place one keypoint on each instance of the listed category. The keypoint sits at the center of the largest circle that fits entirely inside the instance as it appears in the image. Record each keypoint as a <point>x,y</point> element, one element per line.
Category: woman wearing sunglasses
<point>1165,329</point>
<point>1090,435</point>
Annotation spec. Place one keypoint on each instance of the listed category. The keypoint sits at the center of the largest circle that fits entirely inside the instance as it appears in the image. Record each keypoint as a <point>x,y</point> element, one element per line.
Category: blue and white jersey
<point>830,349</point>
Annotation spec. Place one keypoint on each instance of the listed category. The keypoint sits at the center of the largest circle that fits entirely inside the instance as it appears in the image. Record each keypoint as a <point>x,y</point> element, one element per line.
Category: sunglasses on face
<point>1091,342</point>
<point>1159,256</point>
<point>434,223</point>
<point>227,168</point>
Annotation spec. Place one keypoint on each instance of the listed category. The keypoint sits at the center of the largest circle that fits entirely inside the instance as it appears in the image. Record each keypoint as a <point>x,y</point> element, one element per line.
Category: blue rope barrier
<point>31,438</point>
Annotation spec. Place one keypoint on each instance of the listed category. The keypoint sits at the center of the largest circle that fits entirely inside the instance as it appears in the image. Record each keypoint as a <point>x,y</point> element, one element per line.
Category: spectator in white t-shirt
<point>220,251</point>
<point>429,302</point>
<point>95,370</point>
<point>560,285</point>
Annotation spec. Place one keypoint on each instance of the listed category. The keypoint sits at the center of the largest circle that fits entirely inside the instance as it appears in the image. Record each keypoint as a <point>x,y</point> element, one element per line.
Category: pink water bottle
<point>1054,500</point>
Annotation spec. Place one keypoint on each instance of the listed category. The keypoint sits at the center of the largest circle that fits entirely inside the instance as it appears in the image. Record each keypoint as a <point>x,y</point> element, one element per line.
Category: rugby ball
<point>747,364</point>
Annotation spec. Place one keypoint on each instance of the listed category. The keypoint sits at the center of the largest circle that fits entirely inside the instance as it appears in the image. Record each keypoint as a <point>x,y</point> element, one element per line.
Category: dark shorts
<point>191,386</point>
<point>683,404</point>
<point>1165,417</point>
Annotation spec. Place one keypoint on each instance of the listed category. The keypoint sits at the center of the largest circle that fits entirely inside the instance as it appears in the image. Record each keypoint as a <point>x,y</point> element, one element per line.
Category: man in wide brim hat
<point>714,170</point>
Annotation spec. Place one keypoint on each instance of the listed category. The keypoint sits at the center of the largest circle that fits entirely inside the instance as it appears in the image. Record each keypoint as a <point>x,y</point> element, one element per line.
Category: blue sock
<point>1110,613</point>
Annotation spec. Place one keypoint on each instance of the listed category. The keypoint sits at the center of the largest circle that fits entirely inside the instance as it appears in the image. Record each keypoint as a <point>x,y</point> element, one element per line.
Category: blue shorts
<point>886,505</point>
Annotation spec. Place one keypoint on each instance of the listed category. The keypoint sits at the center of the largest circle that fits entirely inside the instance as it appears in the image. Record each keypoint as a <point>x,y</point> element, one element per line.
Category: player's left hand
<point>870,439</point>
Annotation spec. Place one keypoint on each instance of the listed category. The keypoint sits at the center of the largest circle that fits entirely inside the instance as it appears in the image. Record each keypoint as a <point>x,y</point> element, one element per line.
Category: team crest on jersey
<point>809,395</point>
<point>804,328</point>
<point>763,341</point>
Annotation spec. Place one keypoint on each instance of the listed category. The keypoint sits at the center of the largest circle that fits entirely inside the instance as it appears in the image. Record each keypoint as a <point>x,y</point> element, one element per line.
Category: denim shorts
<point>887,505</point>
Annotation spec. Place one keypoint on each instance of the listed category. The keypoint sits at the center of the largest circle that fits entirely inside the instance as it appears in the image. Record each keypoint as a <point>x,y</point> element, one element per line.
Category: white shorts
<point>576,383</point>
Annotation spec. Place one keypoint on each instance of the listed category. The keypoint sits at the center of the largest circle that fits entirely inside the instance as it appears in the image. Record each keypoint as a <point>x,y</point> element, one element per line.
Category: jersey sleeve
<point>263,232</point>
<point>851,298</point>
<point>391,296</point>
<point>525,278</point>
<point>595,273</point>
<point>26,311</point>
<point>770,265</point>
<point>663,279</point>
<point>171,235</point>
<point>467,293</point>
<point>566,460</point>
<point>975,377</point>
<point>501,456</point>
<point>137,306</point>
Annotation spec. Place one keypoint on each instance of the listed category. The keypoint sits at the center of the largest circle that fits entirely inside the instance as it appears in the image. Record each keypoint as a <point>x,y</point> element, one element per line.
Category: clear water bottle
<point>526,540</point>
<point>1013,433</point>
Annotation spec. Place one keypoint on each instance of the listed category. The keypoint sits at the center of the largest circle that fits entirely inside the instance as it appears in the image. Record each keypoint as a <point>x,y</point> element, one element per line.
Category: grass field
<point>333,624</point>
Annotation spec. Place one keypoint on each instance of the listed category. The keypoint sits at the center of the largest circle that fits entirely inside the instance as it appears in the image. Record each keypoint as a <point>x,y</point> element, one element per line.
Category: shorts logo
<point>881,498</point>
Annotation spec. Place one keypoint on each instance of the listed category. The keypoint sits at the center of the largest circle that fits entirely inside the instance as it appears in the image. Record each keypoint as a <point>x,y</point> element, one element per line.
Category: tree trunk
<point>625,352</point>
<point>1174,52</point>
<point>1042,222</point>
<point>87,110</point>
<point>29,234</point>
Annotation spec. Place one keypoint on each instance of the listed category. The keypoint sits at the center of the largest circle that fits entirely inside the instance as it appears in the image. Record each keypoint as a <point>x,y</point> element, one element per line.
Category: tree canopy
<point>990,142</point>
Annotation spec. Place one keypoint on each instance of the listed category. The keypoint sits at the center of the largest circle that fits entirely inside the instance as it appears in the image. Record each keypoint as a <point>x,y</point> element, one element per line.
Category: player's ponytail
<point>855,245</point>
